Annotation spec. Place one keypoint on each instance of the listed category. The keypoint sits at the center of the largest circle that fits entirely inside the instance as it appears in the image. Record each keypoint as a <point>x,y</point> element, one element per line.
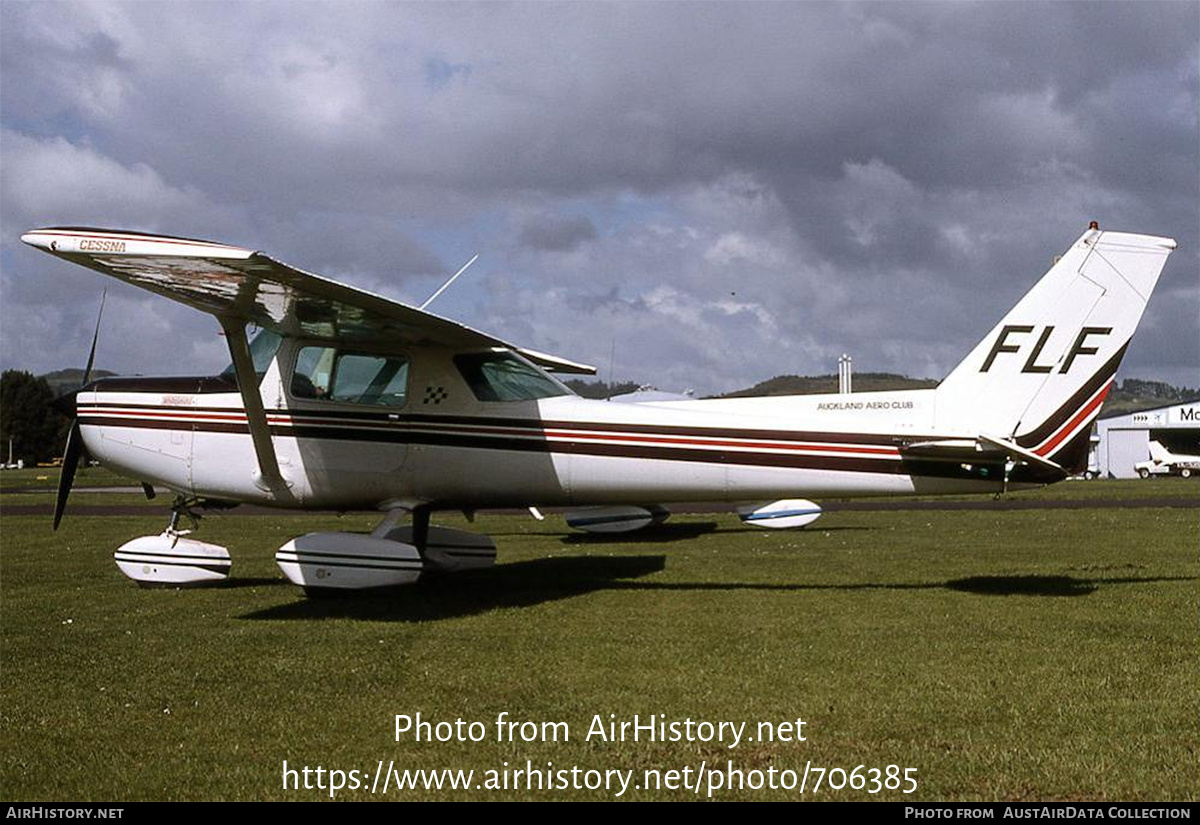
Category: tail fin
<point>1039,378</point>
<point>1158,453</point>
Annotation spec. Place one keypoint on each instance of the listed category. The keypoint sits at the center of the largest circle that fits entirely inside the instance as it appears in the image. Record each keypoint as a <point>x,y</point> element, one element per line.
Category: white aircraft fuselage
<point>445,447</point>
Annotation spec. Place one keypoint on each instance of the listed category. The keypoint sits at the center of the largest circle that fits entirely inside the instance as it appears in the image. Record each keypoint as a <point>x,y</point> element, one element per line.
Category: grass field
<point>1032,654</point>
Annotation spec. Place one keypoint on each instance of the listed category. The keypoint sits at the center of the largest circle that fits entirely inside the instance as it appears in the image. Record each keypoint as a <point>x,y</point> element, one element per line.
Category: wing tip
<point>88,240</point>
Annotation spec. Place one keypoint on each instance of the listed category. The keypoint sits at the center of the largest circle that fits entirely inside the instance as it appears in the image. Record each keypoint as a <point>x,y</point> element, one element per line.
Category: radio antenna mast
<point>442,288</point>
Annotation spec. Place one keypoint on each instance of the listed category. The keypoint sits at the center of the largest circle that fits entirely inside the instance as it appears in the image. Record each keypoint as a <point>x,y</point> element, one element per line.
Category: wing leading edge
<point>232,283</point>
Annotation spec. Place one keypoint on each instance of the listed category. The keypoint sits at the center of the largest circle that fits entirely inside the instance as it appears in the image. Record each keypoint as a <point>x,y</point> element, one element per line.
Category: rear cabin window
<point>329,374</point>
<point>503,376</point>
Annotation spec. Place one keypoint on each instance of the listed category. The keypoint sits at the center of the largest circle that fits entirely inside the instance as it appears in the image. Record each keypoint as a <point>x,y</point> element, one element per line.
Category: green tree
<point>28,417</point>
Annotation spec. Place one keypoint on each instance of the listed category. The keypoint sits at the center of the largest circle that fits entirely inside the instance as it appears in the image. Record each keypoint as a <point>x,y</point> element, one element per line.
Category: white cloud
<point>46,177</point>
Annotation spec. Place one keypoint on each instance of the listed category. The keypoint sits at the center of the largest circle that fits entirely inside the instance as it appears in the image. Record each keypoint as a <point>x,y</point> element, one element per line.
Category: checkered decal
<point>434,395</point>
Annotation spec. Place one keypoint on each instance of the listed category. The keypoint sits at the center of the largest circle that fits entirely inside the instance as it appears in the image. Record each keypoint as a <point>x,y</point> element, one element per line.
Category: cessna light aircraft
<point>347,400</point>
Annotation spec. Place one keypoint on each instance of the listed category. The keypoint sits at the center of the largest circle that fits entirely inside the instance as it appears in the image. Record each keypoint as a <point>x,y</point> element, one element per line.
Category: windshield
<point>504,376</point>
<point>262,350</point>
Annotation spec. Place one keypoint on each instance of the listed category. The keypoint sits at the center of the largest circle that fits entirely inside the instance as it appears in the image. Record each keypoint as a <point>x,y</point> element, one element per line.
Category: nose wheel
<point>170,559</point>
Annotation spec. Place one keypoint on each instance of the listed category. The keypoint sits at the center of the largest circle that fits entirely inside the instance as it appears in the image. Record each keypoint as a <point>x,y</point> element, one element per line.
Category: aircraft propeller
<point>75,436</point>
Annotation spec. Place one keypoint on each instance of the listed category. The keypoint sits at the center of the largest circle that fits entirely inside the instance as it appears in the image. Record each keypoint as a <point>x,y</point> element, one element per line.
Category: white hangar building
<point>1124,440</point>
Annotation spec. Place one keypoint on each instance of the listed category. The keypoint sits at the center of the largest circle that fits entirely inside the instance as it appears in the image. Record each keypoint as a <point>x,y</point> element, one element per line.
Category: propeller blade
<point>67,476</point>
<point>87,371</point>
<point>66,405</point>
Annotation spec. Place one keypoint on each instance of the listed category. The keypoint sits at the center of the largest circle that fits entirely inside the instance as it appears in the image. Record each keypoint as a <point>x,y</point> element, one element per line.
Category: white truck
<point>1164,462</point>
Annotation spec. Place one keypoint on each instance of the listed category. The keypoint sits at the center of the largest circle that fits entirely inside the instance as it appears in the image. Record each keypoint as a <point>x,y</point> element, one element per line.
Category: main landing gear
<point>392,554</point>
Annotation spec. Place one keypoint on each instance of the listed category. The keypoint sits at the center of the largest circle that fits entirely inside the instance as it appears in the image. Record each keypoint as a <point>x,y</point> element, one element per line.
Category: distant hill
<point>814,384</point>
<point>68,380</point>
<point>1134,394</point>
<point>600,389</point>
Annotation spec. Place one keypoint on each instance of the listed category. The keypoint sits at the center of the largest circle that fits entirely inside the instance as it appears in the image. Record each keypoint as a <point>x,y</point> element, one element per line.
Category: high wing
<point>240,285</point>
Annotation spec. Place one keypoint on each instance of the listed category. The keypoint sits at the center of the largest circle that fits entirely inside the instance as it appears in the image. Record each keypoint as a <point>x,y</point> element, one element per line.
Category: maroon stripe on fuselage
<point>539,441</point>
<point>535,426</point>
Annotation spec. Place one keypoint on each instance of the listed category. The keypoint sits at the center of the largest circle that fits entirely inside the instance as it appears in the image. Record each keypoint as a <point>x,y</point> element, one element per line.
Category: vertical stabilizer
<point>1158,453</point>
<point>1040,376</point>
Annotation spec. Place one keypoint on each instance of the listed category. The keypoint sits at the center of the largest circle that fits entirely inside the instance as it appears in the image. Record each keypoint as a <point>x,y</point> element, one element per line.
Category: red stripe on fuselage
<point>102,411</point>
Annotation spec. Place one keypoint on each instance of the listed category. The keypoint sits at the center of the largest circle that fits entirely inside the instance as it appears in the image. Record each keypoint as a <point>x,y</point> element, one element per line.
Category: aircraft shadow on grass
<point>1059,586</point>
<point>520,584</point>
<point>656,533</point>
<point>257,581</point>
<point>529,583</point>
<point>1048,585</point>
<point>652,534</point>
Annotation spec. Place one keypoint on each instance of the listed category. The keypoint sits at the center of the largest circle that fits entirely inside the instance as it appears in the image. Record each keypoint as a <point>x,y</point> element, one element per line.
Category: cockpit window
<point>326,374</point>
<point>263,347</point>
<point>504,376</point>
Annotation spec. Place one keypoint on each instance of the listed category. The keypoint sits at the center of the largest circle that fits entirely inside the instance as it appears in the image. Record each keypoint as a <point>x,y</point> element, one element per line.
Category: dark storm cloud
<point>743,179</point>
<point>553,234</point>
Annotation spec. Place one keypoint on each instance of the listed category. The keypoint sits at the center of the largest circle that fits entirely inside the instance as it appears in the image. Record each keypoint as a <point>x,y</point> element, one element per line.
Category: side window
<point>503,376</point>
<point>350,377</point>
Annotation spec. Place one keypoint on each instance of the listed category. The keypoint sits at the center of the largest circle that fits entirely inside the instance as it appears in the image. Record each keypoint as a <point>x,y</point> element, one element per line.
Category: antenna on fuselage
<point>442,288</point>
<point>612,364</point>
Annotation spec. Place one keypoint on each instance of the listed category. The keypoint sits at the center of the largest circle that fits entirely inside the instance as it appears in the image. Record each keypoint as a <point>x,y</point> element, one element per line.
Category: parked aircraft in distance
<point>348,400</point>
<point>1164,462</point>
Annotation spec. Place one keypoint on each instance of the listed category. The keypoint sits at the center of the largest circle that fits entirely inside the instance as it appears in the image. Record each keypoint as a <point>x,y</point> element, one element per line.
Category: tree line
<point>28,417</point>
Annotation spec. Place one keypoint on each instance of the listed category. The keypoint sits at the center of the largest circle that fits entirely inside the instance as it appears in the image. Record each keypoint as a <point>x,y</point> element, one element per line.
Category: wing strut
<point>269,476</point>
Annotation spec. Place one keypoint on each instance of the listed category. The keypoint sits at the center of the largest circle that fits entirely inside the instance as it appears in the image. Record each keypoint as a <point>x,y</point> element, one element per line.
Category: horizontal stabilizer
<point>982,450</point>
<point>952,449</point>
<point>1018,453</point>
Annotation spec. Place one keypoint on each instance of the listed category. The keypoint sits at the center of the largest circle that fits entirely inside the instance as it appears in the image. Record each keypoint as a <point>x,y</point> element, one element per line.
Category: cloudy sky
<point>719,193</point>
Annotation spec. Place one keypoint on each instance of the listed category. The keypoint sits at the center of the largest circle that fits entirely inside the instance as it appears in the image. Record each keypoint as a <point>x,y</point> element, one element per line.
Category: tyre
<point>1144,473</point>
<point>1185,473</point>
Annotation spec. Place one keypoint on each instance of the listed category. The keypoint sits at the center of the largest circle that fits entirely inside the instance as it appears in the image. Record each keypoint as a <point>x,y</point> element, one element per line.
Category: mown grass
<point>1033,654</point>
<point>46,478</point>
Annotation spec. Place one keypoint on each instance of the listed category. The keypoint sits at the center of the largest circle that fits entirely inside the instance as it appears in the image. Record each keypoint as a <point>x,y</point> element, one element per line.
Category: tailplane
<point>1038,379</point>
